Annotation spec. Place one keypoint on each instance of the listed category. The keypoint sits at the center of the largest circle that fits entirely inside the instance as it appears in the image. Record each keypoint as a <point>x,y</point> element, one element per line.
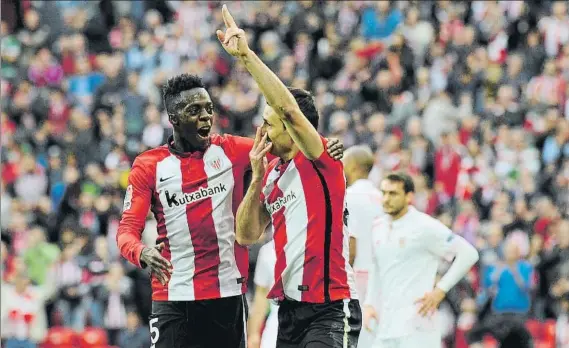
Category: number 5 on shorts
<point>154,333</point>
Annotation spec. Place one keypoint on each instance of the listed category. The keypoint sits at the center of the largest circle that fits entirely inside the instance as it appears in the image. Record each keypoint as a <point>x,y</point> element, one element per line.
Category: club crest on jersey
<point>215,163</point>
<point>127,198</point>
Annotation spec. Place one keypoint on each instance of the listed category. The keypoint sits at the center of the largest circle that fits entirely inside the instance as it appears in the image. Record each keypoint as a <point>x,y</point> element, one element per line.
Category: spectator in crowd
<point>470,98</point>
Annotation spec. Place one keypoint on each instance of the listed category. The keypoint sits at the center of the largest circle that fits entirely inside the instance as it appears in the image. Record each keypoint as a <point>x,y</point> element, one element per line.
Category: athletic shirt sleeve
<point>264,268</point>
<point>136,206</point>
<point>439,239</point>
<point>325,162</point>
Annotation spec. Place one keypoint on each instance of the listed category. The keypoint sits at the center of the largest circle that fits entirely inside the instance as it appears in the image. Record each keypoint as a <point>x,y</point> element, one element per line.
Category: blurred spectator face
<point>101,247</point>
<point>376,123</point>
<point>511,251</point>
<point>384,79</point>
<point>495,235</point>
<point>563,234</point>
<point>423,76</point>
<point>382,6</point>
<point>31,19</point>
<point>515,64</point>
<point>533,39</point>
<point>549,68</point>
<point>412,16</point>
<point>21,282</point>
<point>414,127</point>
<point>339,122</point>
<point>269,42</point>
<point>144,39</point>
<point>559,9</point>
<point>36,236</point>
<point>86,200</point>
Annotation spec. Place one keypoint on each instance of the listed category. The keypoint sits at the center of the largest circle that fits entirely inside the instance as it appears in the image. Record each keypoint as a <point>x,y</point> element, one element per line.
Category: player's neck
<point>400,214</point>
<point>288,155</point>
<point>182,145</point>
<point>355,177</point>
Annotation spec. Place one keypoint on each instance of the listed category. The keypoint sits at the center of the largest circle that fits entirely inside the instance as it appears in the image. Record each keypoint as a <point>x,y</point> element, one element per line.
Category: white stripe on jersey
<point>181,284</point>
<point>296,231</point>
<point>222,214</point>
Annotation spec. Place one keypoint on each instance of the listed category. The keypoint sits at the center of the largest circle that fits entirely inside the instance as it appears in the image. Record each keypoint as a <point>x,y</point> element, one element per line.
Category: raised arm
<point>252,217</point>
<point>278,96</point>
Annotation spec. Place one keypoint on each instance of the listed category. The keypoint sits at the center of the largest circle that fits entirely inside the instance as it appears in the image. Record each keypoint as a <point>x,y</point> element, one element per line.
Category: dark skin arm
<point>158,265</point>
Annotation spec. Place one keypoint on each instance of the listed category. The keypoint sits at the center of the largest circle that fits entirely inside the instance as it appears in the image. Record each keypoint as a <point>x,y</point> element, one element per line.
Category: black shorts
<point>199,324</point>
<point>319,325</point>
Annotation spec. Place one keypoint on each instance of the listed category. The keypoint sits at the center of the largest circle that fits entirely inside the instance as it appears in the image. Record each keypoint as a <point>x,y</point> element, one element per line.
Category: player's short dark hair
<point>306,103</point>
<point>408,184</point>
<point>177,84</point>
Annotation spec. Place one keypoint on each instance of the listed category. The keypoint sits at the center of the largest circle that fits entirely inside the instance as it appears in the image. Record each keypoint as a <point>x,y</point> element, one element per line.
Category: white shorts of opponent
<point>269,336</point>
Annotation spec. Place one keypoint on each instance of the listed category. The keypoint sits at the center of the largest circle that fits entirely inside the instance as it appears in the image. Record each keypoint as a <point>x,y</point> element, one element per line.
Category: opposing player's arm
<point>442,242</point>
<point>252,217</point>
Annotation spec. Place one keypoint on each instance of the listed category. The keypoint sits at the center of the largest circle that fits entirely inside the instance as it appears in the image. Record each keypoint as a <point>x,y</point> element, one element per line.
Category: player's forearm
<point>276,93</point>
<point>249,218</point>
<point>130,244</point>
<point>466,256</point>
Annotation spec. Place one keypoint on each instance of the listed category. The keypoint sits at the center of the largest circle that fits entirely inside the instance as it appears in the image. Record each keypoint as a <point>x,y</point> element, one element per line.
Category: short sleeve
<point>265,266</point>
<point>325,161</point>
<point>440,240</point>
<point>240,148</point>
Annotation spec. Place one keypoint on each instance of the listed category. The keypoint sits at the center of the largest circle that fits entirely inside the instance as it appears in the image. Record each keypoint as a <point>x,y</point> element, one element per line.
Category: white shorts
<point>416,340</point>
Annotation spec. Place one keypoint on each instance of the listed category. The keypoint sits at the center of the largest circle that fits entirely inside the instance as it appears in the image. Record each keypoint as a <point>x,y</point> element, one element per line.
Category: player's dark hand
<point>258,153</point>
<point>233,40</point>
<point>158,265</point>
<point>335,148</point>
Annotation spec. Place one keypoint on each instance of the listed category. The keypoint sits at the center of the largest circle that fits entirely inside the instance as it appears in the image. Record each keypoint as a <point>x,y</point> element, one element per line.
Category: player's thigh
<point>168,325</point>
<point>222,322</point>
<point>422,340</point>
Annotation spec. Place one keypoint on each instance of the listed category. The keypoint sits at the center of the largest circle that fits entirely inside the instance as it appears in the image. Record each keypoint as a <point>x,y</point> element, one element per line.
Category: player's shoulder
<point>152,156</point>
<point>231,141</point>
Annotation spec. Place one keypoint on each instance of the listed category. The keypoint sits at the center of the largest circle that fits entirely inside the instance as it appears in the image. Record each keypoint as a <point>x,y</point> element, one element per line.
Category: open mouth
<point>203,132</point>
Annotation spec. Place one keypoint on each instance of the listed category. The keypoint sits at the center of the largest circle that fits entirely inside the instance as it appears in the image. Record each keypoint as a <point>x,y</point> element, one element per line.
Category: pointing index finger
<point>227,18</point>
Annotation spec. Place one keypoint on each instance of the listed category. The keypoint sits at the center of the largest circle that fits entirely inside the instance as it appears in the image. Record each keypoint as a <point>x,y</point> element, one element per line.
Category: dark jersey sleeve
<point>136,205</point>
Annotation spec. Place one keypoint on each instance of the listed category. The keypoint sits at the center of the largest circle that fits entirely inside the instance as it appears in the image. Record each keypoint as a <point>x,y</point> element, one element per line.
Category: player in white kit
<point>264,280</point>
<point>363,200</point>
<point>407,248</point>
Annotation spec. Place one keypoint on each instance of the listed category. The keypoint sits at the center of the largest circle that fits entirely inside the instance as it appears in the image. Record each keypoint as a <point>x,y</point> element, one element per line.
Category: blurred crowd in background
<point>470,98</point>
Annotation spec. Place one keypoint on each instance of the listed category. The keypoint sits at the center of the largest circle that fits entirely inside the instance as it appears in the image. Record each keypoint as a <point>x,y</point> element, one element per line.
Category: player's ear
<point>173,119</point>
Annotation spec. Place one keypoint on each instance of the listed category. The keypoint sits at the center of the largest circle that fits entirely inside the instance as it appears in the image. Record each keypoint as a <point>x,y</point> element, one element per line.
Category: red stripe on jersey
<point>202,233</point>
<point>161,292</point>
<point>279,224</point>
<point>241,252</point>
<point>314,262</point>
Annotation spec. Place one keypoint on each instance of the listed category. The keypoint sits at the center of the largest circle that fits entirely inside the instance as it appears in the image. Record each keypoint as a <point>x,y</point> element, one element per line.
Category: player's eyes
<point>209,109</point>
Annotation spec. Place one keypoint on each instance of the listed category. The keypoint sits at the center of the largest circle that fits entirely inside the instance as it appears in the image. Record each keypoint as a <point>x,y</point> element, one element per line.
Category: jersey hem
<point>162,297</point>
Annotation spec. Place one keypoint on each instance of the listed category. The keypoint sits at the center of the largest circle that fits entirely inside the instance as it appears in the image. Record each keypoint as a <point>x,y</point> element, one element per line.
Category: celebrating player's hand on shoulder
<point>233,40</point>
<point>430,302</point>
<point>258,153</point>
<point>370,314</point>
<point>158,265</point>
<point>335,148</point>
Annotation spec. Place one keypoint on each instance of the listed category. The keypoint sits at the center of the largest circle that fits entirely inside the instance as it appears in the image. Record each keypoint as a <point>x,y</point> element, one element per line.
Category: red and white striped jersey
<point>194,197</point>
<point>306,202</point>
